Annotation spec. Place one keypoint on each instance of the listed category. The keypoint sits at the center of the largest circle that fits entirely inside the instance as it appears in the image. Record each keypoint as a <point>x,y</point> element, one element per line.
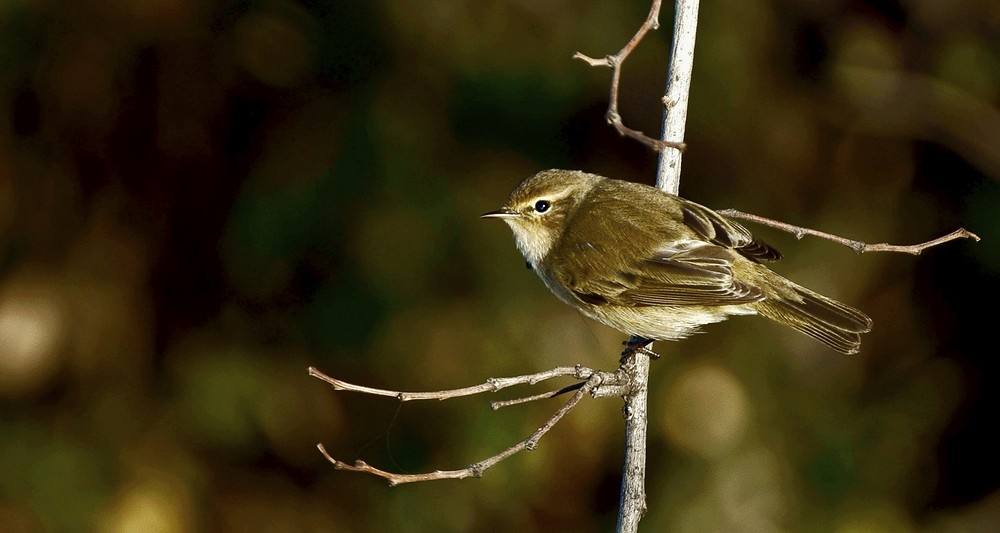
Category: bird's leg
<point>637,344</point>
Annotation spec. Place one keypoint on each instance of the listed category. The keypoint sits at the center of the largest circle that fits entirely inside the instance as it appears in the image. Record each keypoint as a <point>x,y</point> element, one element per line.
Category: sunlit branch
<point>615,63</point>
<point>475,469</point>
<point>857,246</point>
<point>490,385</point>
<point>543,396</point>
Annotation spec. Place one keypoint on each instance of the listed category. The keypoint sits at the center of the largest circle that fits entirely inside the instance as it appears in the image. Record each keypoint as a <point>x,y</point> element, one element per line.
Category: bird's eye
<point>542,206</point>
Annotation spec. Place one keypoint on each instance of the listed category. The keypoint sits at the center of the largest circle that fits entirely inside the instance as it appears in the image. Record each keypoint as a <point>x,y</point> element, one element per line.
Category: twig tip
<point>336,464</point>
<point>603,62</point>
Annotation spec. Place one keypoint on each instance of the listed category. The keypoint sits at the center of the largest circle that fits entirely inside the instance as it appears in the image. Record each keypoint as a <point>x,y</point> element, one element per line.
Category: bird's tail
<point>837,325</point>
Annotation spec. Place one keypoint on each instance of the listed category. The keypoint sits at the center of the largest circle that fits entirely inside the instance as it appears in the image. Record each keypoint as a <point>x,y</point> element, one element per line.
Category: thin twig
<point>857,246</point>
<point>475,469</point>
<point>491,384</point>
<point>615,63</point>
<point>543,396</point>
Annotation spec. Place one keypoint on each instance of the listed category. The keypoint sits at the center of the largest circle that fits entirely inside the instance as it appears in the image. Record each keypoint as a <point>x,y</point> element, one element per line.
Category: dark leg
<point>638,345</point>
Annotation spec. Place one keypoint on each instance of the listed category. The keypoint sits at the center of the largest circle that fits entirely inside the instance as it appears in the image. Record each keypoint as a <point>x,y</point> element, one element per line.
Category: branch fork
<point>614,62</point>
<point>596,383</point>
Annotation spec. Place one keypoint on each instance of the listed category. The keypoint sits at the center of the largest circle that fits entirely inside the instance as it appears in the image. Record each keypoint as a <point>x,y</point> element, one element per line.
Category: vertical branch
<point>632,503</point>
<point>675,102</point>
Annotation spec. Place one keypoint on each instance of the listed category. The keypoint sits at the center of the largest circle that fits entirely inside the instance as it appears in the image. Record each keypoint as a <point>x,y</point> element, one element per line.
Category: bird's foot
<point>637,345</point>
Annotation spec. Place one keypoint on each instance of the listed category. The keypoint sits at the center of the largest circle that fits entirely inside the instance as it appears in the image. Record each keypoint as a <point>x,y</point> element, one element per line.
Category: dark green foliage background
<point>200,199</point>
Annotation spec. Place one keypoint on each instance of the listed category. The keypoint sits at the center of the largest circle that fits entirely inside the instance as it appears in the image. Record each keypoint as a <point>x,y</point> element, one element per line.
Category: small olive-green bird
<point>656,266</point>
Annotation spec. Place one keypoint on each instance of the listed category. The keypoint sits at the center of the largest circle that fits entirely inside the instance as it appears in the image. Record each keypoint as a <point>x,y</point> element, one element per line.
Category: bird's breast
<point>554,284</point>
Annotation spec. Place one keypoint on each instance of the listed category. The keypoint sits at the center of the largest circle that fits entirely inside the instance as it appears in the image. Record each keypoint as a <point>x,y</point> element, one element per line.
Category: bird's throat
<point>534,245</point>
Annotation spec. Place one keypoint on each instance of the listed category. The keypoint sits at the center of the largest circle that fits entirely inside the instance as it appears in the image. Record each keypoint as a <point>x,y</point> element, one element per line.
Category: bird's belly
<point>661,322</point>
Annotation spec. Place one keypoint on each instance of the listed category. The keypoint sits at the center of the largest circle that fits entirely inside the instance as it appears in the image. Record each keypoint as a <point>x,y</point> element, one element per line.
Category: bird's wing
<point>718,229</point>
<point>688,272</point>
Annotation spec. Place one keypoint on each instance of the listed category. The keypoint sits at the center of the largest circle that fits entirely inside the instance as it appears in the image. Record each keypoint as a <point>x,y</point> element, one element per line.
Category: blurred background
<point>200,199</point>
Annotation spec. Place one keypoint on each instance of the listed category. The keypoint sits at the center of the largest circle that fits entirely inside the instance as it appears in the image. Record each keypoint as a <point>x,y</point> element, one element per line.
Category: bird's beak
<point>503,212</point>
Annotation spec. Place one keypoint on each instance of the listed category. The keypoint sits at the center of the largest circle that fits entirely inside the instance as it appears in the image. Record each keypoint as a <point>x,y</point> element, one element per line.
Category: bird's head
<point>540,207</point>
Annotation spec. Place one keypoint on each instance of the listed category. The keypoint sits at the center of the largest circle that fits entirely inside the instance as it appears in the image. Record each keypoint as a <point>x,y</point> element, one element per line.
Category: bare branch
<point>857,246</point>
<point>491,384</point>
<point>543,396</point>
<point>475,469</point>
<point>632,498</point>
<point>635,364</point>
<point>615,63</point>
<point>676,95</point>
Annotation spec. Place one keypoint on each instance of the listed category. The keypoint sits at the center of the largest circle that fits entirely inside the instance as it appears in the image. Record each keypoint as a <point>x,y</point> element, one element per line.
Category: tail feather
<point>837,325</point>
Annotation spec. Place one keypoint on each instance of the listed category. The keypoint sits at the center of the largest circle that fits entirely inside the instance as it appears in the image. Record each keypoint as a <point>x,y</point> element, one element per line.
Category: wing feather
<point>685,273</point>
<point>720,230</point>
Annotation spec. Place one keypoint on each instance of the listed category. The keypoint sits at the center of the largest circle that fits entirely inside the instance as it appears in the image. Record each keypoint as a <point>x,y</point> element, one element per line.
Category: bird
<point>656,266</point>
